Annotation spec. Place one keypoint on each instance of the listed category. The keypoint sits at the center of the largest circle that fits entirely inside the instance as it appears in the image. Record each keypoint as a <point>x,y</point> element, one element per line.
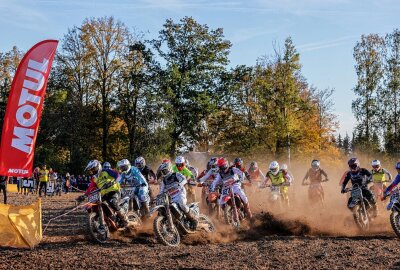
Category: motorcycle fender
<point>226,199</point>
<point>353,203</point>
<point>396,207</point>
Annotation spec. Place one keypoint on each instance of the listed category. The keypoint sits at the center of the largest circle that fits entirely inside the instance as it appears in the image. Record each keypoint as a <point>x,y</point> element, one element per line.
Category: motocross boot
<point>247,210</point>
<point>192,218</point>
<point>123,218</point>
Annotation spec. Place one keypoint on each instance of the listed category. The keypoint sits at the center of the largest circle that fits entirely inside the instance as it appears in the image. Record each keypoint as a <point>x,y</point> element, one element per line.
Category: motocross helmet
<point>180,163</point>
<point>238,163</point>
<point>376,164</point>
<point>93,167</point>
<point>212,164</point>
<point>354,164</point>
<point>274,167</point>
<point>253,166</point>
<point>222,164</point>
<point>398,166</point>
<point>140,162</point>
<point>284,168</point>
<point>164,169</point>
<point>315,164</point>
<point>106,165</point>
<point>124,165</point>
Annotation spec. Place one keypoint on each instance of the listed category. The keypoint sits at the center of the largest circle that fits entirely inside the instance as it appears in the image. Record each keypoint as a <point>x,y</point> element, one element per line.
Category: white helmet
<point>93,167</point>
<point>274,167</point>
<point>164,169</point>
<point>124,165</point>
<point>315,164</point>
<point>180,160</point>
<point>140,162</point>
<point>284,167</point>
<point>375,164</point>
<point>106,165</point>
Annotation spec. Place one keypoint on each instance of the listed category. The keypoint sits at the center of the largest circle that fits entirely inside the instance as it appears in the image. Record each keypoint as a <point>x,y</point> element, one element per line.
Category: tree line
<point>376,107</point>
<point>112,94</point>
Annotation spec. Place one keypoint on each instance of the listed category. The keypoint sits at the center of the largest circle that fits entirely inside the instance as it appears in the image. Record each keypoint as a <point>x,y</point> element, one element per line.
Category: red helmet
<point>222,163</point>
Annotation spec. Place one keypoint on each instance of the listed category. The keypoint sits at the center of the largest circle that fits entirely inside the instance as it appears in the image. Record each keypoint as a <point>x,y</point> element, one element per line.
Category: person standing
<point>3,187</point>
<point>43,179</point>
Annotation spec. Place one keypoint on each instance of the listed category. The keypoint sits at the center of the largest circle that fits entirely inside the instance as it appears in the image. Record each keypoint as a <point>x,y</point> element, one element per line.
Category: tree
<point>347,145</point>
<point>339,141</point>
<point>107,41</point>
<point>194,56</point>
<point>368,54</point>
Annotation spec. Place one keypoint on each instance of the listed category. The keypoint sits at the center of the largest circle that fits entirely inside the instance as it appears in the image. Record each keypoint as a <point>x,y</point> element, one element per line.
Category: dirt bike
<point>277,198</point>
<point>212,205</point>
<point>99,211</point>
<point>361,207</point>
<point>394,206</point>
<point>171,221</point>
<point>315,192</point>
<point>232,204</point>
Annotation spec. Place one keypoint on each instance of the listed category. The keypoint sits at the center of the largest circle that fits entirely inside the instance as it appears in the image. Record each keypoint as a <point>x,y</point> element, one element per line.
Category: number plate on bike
<point>356,193</point>
<point>160,200</point>
<point>128,191</point>
<point>275,189</point>
<point>93,198</point>
<point>226,191</point>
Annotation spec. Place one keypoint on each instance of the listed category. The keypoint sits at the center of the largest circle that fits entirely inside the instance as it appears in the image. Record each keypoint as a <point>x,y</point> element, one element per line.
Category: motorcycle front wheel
<point>99,236</point>
<point>230,217</point>
<point>164,234</point>
<point>395,222</point>
<point>361,218</point>
<point>206,223</point>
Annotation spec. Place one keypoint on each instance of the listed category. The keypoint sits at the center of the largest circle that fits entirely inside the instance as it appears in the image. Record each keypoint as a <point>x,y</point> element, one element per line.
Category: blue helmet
<point>398,166</point>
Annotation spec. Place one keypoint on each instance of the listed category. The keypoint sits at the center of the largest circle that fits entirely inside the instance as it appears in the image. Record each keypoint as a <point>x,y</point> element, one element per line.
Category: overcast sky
<point>324,31</point>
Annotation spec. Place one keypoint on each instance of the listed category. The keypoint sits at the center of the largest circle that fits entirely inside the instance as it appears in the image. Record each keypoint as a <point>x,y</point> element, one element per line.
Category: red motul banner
<point>24,108</point>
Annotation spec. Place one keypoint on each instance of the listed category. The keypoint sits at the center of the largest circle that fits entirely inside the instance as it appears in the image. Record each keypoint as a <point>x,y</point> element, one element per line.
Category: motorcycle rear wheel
<point>93,225</point>
<point>395,222</point>
<point>167,236</point>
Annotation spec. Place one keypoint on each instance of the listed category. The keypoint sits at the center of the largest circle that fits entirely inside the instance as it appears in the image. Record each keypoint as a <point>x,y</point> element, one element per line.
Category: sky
<point>324,31</point>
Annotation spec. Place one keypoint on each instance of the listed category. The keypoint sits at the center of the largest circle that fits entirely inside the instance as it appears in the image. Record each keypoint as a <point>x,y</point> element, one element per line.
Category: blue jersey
<point>393,184</point>
<point>133,178</point>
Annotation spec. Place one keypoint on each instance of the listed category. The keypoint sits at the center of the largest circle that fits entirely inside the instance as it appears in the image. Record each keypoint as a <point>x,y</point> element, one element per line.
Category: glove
<point>81,198</point>
<point>343,190</point>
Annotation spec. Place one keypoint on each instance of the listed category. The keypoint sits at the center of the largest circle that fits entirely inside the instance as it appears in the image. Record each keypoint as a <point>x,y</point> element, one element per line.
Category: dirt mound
<point>266,224</point>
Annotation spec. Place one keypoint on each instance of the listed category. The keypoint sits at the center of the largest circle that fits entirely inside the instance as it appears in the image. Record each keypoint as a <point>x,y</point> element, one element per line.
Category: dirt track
<point>270,243</point>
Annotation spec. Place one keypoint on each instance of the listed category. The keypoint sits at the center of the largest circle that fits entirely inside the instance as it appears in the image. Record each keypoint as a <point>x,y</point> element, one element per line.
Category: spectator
<point>36,179</point>
<point>3,186</point>
<point>67,182</point>
<point>44,179</point>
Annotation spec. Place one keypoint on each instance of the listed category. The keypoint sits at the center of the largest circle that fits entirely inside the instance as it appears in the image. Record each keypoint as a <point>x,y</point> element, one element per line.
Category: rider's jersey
<point>393,184</point>
<point>133,178</point>
<point>357,178</point>
<point>185,172</point>
<point>194,171</point>
<point>315,176</point>
<point>276,180</point>
<point>224,178</point>
<point>207,177</point>
<point>243,170</point>
<point>148,174</point>
<point>106,176</point>
<point>174,184</point>
<point>255,175</point>
<point>379,176</point>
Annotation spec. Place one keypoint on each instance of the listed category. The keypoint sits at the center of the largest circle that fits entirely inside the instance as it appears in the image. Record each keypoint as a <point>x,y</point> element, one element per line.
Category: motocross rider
<point>131,177</point>
<point>225,174</point>
<point>379,176</point>
<point>174,183</point>
<point>207,176</point>
<point>107,181</point>
<point>147,172</point>
<point>278,178</point>
<point>394,183</point>
<point>362,177</point>
<point>180,166</point>
<point>255,173</point>
<point>314,174</point>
